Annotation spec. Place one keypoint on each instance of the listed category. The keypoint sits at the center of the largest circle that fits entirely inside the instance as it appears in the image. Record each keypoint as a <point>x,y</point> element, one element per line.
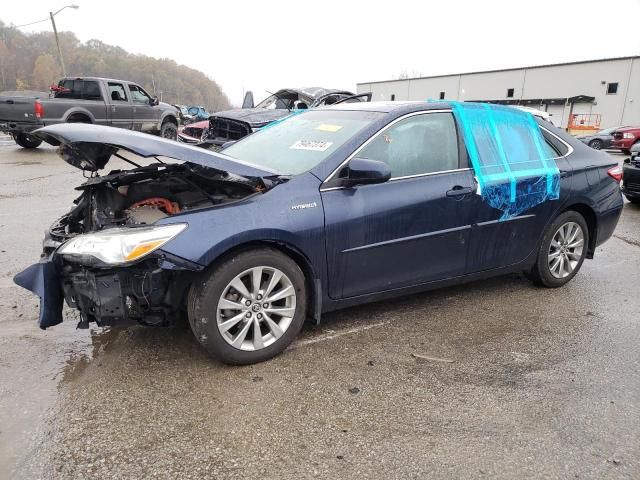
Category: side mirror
<point>248,100</point>
<point>154,101</point>
<point>362,171</point>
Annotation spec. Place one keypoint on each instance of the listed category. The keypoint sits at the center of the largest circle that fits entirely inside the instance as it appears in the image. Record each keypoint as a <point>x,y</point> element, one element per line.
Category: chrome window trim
<point>412,114</point>
<point>569,147</point>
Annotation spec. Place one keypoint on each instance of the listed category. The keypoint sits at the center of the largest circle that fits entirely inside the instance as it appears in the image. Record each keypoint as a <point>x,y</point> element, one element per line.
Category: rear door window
<point>79,89</point>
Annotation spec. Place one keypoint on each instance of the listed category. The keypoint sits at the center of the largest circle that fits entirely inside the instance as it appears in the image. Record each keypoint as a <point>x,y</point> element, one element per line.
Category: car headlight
<point>628,135</point>
<point>122,245</point>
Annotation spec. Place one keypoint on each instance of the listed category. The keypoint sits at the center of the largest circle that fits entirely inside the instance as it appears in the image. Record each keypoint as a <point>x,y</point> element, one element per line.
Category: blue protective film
<point>514,166</point>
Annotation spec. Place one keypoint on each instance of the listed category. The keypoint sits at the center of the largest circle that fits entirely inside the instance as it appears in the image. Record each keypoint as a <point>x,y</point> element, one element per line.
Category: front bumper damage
<point>151,292</point>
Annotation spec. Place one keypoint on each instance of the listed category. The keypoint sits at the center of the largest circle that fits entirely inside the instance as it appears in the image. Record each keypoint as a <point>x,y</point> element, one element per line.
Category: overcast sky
<point>272,44</point>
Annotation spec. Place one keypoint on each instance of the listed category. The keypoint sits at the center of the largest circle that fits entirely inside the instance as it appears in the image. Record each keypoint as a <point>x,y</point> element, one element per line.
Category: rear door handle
<point>459,191</point>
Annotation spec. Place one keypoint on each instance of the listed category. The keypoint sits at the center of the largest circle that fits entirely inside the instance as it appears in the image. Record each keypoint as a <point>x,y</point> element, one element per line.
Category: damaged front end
<point>105,257</point>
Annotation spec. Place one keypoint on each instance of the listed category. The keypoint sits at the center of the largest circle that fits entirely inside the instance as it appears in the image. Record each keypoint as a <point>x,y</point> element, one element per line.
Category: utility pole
<point>55,32</point>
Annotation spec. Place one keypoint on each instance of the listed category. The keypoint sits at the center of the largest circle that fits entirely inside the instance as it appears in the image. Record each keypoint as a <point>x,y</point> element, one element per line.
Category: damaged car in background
<point>232,125</point>
<point>330,208</point>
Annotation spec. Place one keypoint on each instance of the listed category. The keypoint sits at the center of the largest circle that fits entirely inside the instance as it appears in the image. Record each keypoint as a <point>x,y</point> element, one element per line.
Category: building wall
<point>556,81</point>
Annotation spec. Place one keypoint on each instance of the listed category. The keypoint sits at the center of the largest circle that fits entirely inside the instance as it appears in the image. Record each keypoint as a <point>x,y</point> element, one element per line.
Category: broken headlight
<point>121,245</point>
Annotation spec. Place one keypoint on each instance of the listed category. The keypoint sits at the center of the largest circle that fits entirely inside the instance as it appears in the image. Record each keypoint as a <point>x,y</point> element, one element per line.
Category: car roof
<point>390,107</point>
<point>313,92</point>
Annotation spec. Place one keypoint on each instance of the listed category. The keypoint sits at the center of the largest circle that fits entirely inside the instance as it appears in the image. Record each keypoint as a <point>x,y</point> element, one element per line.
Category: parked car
<point>625,138</point>
<point>330,208</point>
<point>630,183</point>
<point>601,139</point>
<point>232,125</point>
<point>198,114</point>
<point>100,101</point>
<point>185,117</point>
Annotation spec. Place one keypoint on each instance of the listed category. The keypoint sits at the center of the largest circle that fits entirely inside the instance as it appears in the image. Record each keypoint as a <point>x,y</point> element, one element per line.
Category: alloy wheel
<point>565,250</point>
<point>256,308</point>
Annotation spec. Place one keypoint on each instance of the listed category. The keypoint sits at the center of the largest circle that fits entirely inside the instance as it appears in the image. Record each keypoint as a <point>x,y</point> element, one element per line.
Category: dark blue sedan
<point>329,208</point>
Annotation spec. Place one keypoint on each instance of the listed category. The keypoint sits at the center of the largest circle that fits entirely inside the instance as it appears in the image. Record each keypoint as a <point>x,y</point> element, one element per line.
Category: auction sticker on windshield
<point>311,145</point>
<point>328,128</point>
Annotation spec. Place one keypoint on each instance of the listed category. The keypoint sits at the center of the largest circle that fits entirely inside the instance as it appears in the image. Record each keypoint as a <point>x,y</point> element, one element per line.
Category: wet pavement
<point>494,379</point>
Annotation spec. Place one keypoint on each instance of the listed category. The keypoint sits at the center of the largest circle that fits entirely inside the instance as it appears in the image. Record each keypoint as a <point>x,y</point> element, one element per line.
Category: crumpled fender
<point>43,280</point>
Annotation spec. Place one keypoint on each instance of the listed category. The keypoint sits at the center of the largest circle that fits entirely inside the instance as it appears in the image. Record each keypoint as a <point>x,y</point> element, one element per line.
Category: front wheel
<point>562,251</point>
<point>169,130</point>
<point>27,141</point>
<point>249,308</point>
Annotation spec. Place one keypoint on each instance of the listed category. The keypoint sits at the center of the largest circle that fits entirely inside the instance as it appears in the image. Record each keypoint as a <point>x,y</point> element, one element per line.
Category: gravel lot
<point>495,379</point>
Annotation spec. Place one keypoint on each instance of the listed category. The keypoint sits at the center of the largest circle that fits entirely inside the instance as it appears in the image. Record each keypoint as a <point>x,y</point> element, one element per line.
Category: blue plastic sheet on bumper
<point>43,280</point>
<point>508,155</point>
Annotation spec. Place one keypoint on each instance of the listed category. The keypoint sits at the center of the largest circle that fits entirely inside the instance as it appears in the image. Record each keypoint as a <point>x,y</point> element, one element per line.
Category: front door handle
<point>459,191</point>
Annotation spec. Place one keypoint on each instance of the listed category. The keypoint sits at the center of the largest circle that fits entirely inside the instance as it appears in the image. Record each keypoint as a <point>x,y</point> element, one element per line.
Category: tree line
<point>30,62</point>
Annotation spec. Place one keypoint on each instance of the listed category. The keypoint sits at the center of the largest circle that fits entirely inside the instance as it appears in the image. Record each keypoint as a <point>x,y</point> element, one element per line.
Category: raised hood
<point>89,148</point>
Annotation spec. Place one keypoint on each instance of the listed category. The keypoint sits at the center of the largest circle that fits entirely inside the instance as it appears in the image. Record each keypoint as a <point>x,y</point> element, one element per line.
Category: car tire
<point>556,247</point>
<point>596,144</point>
<point>252,329</point>
<point>634,200</point>
<point>626,151</point>
<point>27,141</point>
<point>169,130</point>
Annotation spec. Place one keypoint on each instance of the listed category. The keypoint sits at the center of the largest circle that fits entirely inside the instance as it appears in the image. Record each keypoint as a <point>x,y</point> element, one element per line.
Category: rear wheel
<point>169,130</point>
<point>27,141</point>
<point>596,144</point>
<point>562,251</point>
<point>635,200</point>
<point>78,119</point>
<point>249,308</point>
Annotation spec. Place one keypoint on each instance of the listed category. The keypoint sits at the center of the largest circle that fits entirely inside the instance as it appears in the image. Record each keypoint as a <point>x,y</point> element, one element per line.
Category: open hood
<point>89,148</point>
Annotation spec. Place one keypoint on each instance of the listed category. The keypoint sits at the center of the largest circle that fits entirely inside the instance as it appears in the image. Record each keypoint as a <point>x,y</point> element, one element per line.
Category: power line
<point>32,23</point>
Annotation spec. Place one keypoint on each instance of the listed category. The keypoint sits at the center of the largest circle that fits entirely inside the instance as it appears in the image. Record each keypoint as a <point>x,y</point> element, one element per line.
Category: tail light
<point>615,173</point>
<point>38,109</point>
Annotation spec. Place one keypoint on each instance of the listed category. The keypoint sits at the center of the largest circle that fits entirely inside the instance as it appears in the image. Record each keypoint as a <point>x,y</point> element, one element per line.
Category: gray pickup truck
<point>101,101</point>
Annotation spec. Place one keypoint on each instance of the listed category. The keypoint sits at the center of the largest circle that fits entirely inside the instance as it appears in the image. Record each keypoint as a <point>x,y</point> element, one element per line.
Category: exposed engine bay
<point>144,195</point>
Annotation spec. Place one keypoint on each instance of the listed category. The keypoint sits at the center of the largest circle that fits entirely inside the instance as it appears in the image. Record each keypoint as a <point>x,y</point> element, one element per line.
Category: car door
<point>410,230</point>
<point>499,241</point>
<point>145,115</point>
<point>119,107</point>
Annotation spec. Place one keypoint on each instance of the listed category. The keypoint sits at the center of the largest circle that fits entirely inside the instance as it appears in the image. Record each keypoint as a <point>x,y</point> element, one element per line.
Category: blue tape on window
<point>515,171</point>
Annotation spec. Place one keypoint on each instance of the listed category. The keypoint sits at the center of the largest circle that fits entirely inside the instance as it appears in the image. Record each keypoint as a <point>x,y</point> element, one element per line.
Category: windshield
<point>300,142</point>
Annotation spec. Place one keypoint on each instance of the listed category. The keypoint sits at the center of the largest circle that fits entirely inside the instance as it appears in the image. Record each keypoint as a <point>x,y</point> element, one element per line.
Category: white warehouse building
<point>586,95</point>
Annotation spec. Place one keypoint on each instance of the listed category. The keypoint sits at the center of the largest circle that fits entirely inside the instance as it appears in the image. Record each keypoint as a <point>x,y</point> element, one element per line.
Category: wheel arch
<point>79,112</point>
<point>168,117</point>
<point>589,215</point>
<point>314,286</point>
